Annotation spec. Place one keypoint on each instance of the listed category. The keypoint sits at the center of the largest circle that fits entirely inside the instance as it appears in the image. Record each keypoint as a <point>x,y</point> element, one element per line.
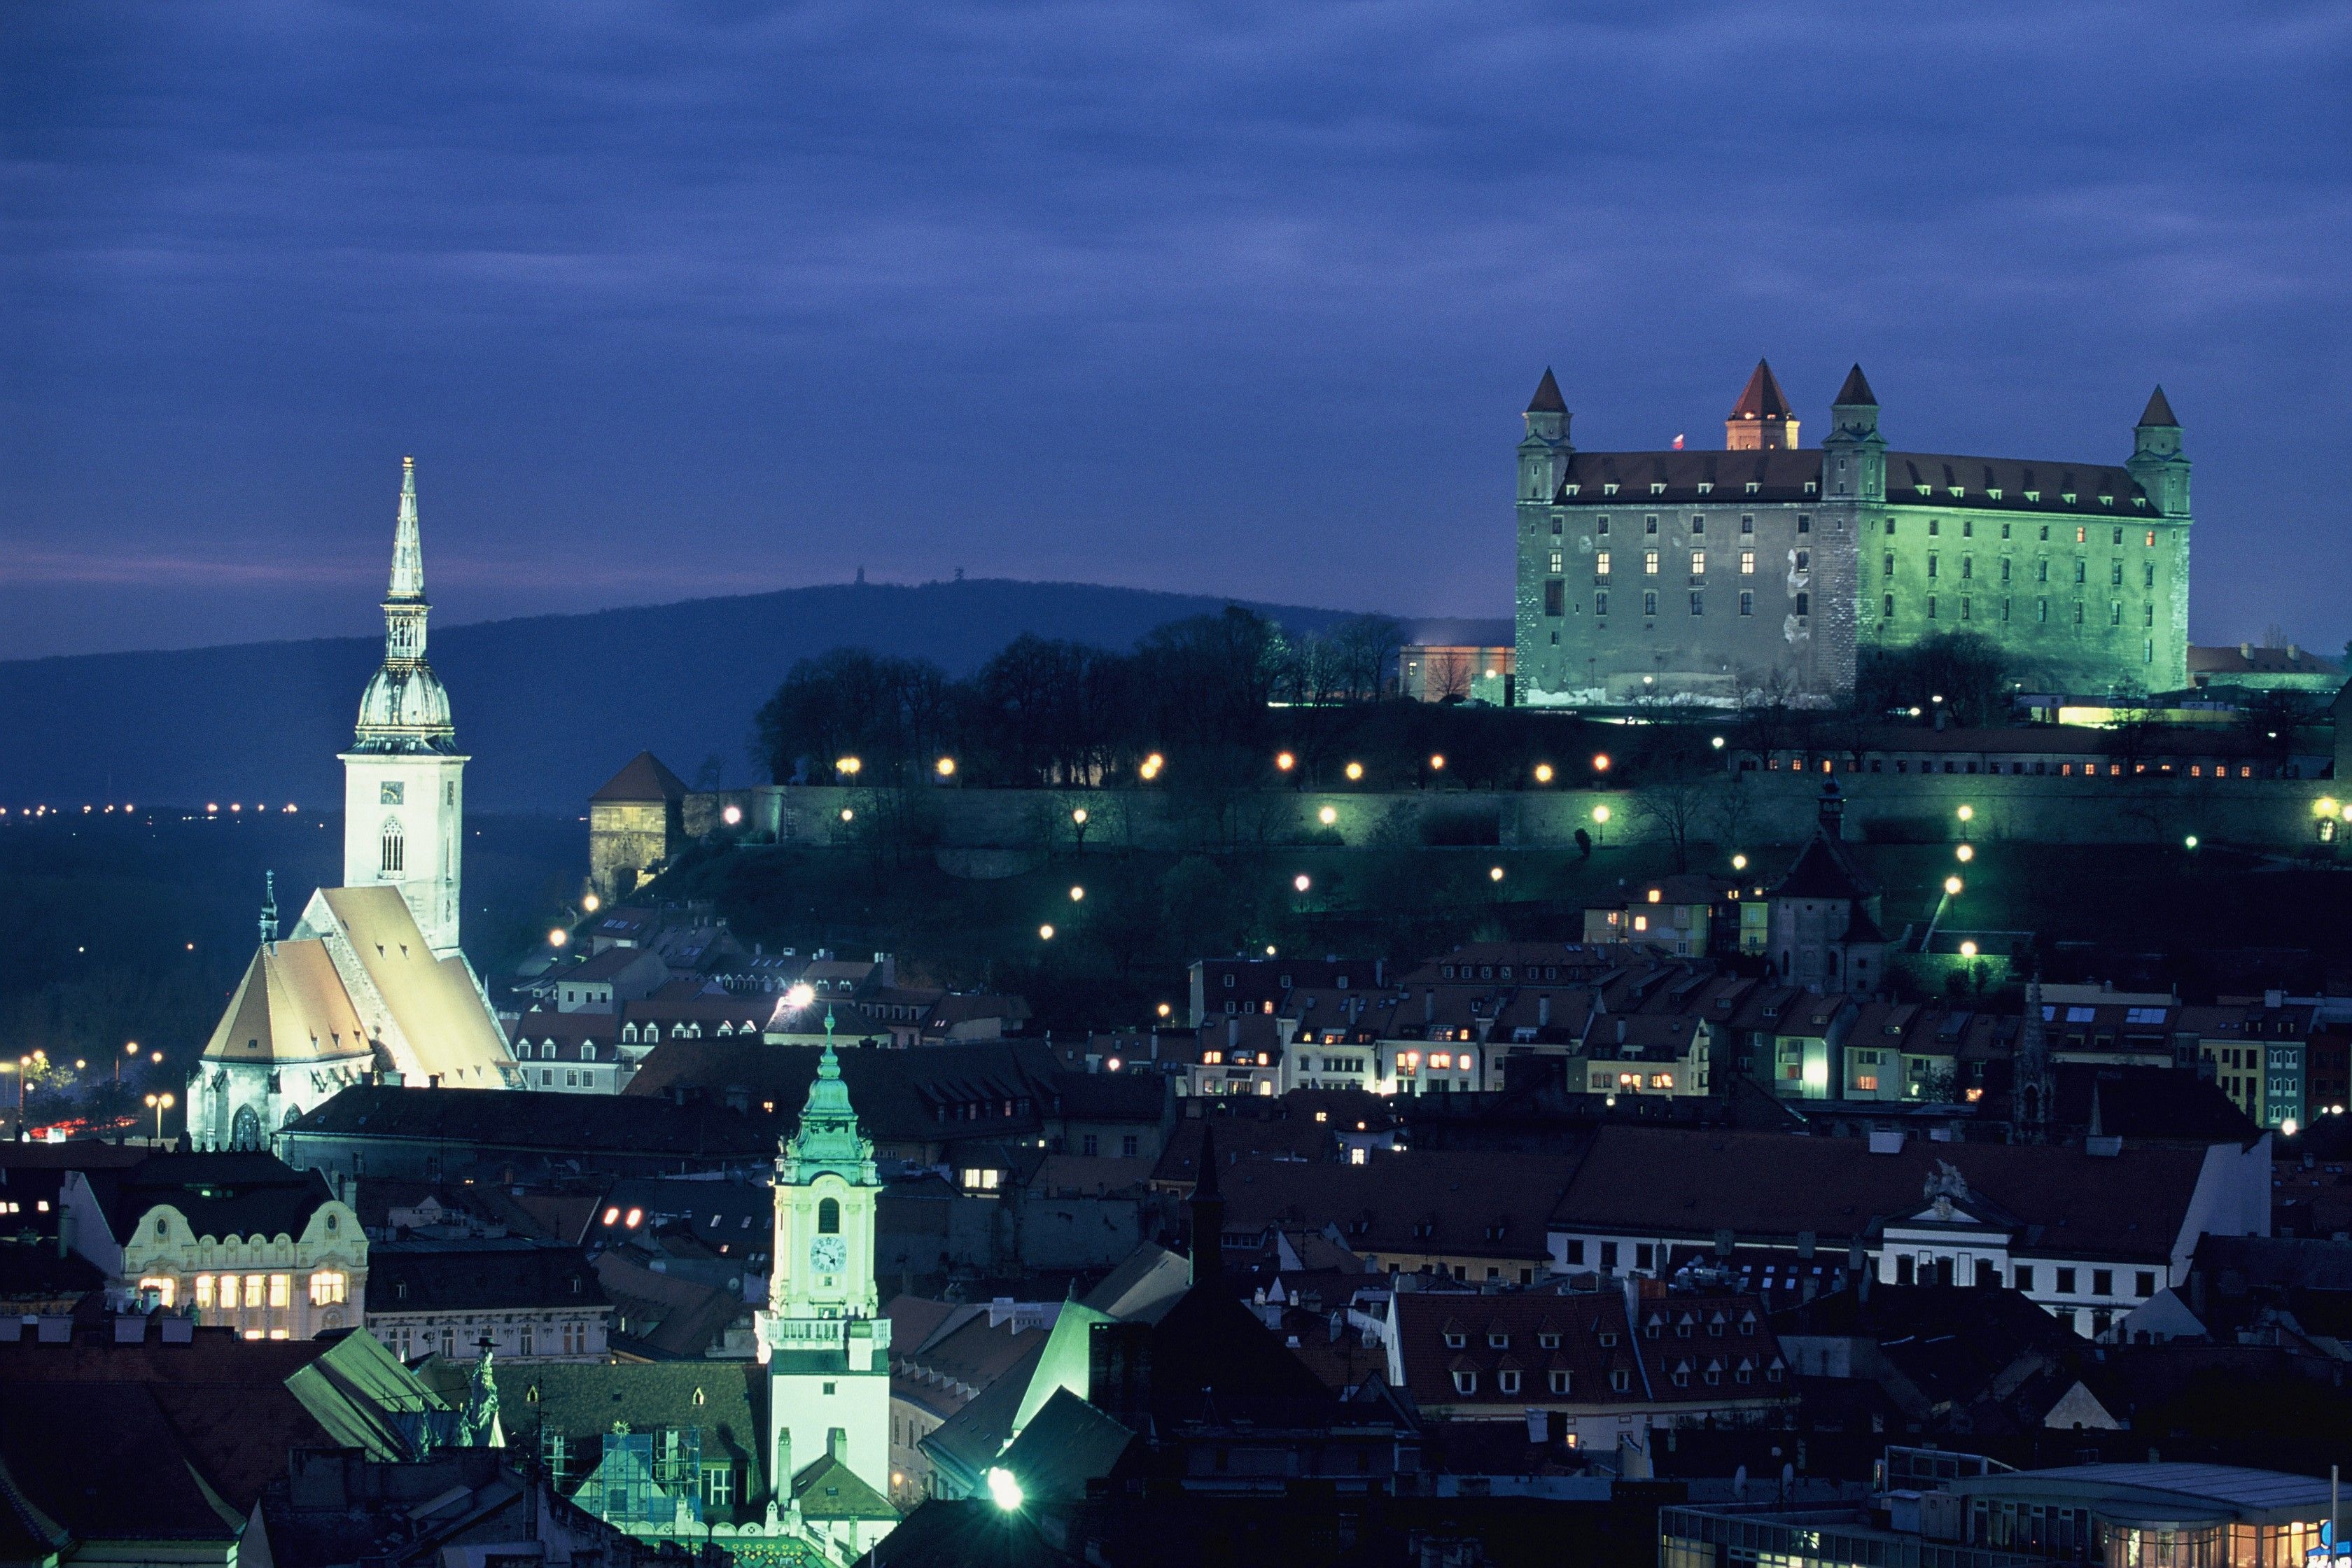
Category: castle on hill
<point>1700,576</point>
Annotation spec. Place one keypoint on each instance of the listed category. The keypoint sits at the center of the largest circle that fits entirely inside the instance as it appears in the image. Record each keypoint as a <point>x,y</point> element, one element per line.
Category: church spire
<point>407,551</point>
<point>269,908</point>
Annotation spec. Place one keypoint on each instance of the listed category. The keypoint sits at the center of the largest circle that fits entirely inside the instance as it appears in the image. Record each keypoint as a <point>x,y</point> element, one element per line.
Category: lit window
<point>1556,562</point>
<point>1649,561</point>
<point>281,1289</point>
<point>1600,563</point>
<point>328,1287</point>
<point>1441,1059</point>
<point>204,1292</point>
<point>1698,563</point>
<point>164,1289</point>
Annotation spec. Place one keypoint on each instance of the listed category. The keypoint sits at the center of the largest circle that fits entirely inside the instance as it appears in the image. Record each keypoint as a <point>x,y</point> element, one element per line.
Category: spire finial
<point>407,550</point>
<point>269,908</point>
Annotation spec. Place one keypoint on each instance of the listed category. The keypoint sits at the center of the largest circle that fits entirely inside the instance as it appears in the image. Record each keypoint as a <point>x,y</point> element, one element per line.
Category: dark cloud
<point>694,298</point>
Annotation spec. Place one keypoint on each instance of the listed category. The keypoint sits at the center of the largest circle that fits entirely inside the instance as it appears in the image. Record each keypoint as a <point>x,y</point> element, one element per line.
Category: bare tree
<point>1447,674</point>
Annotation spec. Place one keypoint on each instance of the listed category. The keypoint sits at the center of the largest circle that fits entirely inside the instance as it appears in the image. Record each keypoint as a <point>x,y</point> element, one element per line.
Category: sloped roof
<point>2158,411</point>
<point>830,1490</point>
<point>1546,399</point>
<point>290,1006</point>
<point>433,1002</point>
<point>472,1274</point>
<point>1066,1444</point>
<point>582,1400</point>
<point>1825,868</point>
<point>1855,392</point>
<point>642,778</point>
<point>1761,398</point>
<point>549,1124</point>
<point>220,1194</point>
<point>1471,1203</point>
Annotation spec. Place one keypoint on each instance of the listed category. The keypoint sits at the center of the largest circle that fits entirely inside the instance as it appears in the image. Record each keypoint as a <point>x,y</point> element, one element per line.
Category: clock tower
<point>823,1338</point>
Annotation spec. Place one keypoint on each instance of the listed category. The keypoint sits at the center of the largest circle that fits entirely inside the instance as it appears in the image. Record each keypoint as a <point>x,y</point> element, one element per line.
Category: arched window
<point>828,1218</point>
<point>244,1130</point>
<point>395,849</point>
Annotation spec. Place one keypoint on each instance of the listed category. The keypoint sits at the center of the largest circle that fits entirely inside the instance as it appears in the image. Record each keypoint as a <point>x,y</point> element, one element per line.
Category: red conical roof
<point>1763,398</point>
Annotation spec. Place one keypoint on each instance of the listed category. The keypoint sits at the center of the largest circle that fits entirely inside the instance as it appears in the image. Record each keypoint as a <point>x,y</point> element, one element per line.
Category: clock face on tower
<point>828,1255</point>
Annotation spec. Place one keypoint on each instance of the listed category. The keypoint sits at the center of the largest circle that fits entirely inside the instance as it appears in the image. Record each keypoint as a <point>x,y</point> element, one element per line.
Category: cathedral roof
<point>1761,398</point>
<point>1546,399</point>
<point>642,778</point>
<point>1855,393</point>
<point>2158,411</point>
<point>437,1023</point>
<point>290,1008</point>
<point>1826,869</point>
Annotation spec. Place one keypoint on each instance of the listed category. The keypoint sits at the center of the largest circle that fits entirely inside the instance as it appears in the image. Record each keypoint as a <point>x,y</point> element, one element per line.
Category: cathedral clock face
<point>828,1255</point>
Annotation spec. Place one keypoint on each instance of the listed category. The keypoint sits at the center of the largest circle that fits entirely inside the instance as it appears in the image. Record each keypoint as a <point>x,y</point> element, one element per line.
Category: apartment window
<point>2143,1283</point>
<point>575,1339</point>
<point>1698,563</point>
<point>281,1289</point>
<point>1600,564</point>
<point>1698,603</point>
<point>2065,1281</point>
<point>1601,603</point>
<point>204,1292</point>
<point>523,1340</point>
<point>718,1486</point>
<point>1698,523</point>
<point>1650,604</point>
<point>1576,1251</point>
<point>2119,536</point>
<point>1935,526</point>
<point>1967,528</point>
<point>1649,561</point>
<point>2103,1281</point>
<point>2081,535</point>
<point>1747,604</point>
<point>1608,1254</point>
<point>1804,560</point>
<point>1126,1147</point>
<point>1967,568</point>
<point>1600,526</point>
<point>1087,1144</point>
<point>1965,604</point>
<point>2004,531</point>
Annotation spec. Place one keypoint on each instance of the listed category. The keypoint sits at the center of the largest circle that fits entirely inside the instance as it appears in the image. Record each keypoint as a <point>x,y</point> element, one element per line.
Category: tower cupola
<point>1761,421</point>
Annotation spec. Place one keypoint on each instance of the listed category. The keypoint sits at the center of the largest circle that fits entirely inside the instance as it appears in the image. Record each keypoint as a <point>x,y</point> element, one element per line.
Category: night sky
<point>672,300</point>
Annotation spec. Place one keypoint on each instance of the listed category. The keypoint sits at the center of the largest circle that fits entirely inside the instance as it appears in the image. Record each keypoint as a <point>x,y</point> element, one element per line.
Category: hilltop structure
<point>1699,576</point>
<point>372,983</point>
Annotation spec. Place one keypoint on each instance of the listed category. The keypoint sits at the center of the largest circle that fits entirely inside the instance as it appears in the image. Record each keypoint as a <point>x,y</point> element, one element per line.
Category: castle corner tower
<point>404,778</point>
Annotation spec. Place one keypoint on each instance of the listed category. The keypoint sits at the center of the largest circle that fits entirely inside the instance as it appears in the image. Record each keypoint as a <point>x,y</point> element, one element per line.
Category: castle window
<point>2081,567</point>
<point>1888,612</point>
<point>2004,570</point>
<point>1650,604</point>
<point>2104,500</point>
<point>394,849</point>
<point>2148,576</point>
<point>1964,606</point>
<point>828,1217</point>
<point>1650,563</point>
<point>1967,528</point>
<point>1747,604</point>
<point>1600,563</point>
<point>1601,603</point>
<point>1934,566</point>
<point>2078,612</point>
<point>1557,559</point>
<point>1931,607</point>
<point>1698,563</point>
<point>2147,651</point>
<point>2151,539</point>
<point>2082,535</point>
<point>1698,522</point>
<point>2004,531</point>
<point>1747,524</point>
<point>1889,570</point>
<point>2115,614</point>
<point>2042,611</point>
<point>1804,560</point>
<point>1555,526</point>
<point>2149,616</point>
<point>1600,526</point>
<point>1804,605</point>
<point>1967,568</point>
<point>2115,573</point>
<point>1890,528</point>
<point>1935,527</point>
<point>1804,523</point>
<point>1698,603</point>
<point>2004,611</point>
<point>1748,564</point>
<point>1649,525</point>
<point>1555,596</point>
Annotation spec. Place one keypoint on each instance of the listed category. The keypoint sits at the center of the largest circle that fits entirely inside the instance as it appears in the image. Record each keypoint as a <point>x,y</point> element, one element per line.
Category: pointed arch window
<point>395,849</point>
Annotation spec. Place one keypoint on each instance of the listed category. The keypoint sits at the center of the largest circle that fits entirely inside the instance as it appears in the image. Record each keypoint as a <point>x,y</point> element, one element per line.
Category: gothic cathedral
<point>823,1338</point>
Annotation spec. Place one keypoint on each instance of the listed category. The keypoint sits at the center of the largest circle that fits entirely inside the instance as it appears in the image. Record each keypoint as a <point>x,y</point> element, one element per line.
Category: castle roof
<point>2158,411</point>
<point>642,778</point>
<point>1855,393</point>
<point>1546,399</point>
<point>1763,397</point>
<point>1913,478</point>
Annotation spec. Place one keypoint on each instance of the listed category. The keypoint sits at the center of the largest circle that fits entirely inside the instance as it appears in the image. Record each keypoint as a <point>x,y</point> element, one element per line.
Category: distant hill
<point>547,706</point>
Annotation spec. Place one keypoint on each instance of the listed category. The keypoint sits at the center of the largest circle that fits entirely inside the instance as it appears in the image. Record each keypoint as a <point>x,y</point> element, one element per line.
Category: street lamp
<point>1302,881</point>
<point>1966,853</point>
<point>848,767</point>
<point>944,767</point>
<point>1740,862</point>
<point>1494,873</point>
<point>1328,816</point>
<point>1952,886</point>
<point>1355,772</point>
<point>592,903</point>
<point>1283,762</point>
<point>1967,950</point>
<point>161,1103</point>
<point>1077,894</point>
<point>1543,773</point>
<point>1601,762</point>
<point>1967,814</point>
<point>1045,933</point>
<point>1437,762</point>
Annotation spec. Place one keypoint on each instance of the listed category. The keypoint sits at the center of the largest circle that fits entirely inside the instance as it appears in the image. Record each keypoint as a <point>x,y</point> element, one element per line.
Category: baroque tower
<point>822,1337</point>
<point>404,778</point>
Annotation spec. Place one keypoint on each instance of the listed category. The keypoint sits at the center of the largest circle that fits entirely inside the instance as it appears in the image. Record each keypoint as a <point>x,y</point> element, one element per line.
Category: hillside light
<point>1543,773</point>
<point>1163,1009</point>
<point>1967,950</point>
<point>592,903</point>
<point>1045,933</point>
<point>1716,742</point>
<point>1437,762</point>
<point>1967,814</point>
<point>1740,862</point>
<point>847,815</point>
<point>1078,815</point>
<point>1600,814</point>
<point>155,1057</point>
<point>1269,950</point>
<point>1966,853</point>
<point>733,815</point>
<point>1914,712</point>
<point>1302,881</point>
<point>557,936</point>
<point>1285,762</point>
<point>1494,873</point>
<point>1951,887</point>
<point>944,767</point>
<point>2189,842</point>
<point>2326,806</point>
<point>1601,762</point>
<point>1077,894</point>
<point>1003,1489</point>
<point>1938,699</point>
<point>1328,816</point>
<point>849,766</point>
<point>1355,772</point>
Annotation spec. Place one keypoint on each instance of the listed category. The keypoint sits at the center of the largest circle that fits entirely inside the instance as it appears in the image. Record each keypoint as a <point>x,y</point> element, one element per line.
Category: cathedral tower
<point>822,1337</point>
<point>404,778</point>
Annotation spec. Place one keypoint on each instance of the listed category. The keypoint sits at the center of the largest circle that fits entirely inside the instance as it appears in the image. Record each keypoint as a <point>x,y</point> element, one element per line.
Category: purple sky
<point>681,300</point>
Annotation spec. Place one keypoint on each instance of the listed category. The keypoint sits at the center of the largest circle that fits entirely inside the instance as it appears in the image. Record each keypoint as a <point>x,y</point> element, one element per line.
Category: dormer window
<point>1609,490</point>
<point>1498,1338</point>
<point>1810,486</point>
<point>1927,489</point>
<point>1620,1380</point>
<point>1560,1381</point>
<point>1570,489</point>
<point>1455,1339</point>
<point>1608,1338</point>
<point>2033,495</point>
<point>1707,487</point>
<point>1548,1339</point>
<point>1465,1382</point>
<point>1994,494</point>
<point>1508,1380</point>
<point>1754,488</point>
<point>1658,490</point>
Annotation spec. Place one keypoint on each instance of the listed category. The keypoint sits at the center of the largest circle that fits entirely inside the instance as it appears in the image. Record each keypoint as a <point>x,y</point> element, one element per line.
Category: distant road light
<point>1078,815</point>
<point>1437,762</point>
<point>1328,816</point>
<point>592,903</point>
<point>1077,894</point>
<point>558,937</point>
<point>847,815</point>
<point>1045,933</point>
<point>1543,773</point>
<point>1952,886</point>
<point>1967,950</point>
<point>1285,760</point>
<point>849,766</point>
<point>1716,742</point>
<point>2190,841</point>
<point>800,995</point>
<point>1967,814</point>
<point>944,767</point>
<point>1600,814</point>
<point>1600,762</point>
<point>1302,881</point>
<point>1740,862</point>
<point>1355,772</point>
<point>1494,873</point>
<point>1163,1009</point>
